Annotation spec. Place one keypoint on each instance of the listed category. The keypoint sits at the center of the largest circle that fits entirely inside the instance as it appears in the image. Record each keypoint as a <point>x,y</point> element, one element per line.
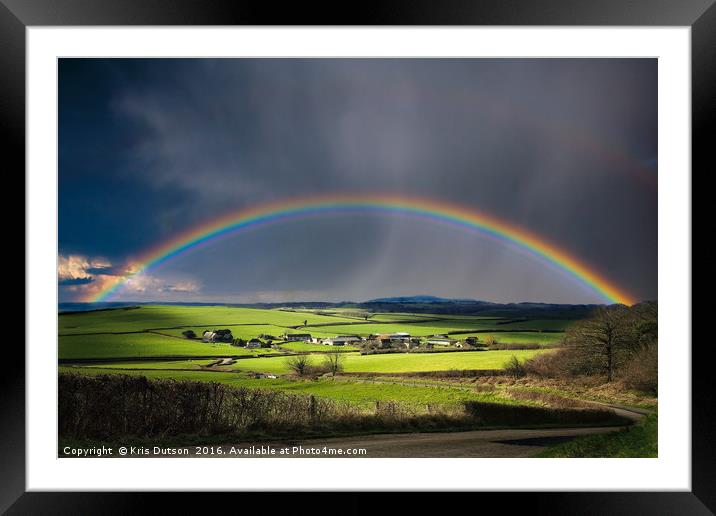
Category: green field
<point>303,347</point>
<point>543,339</point>
<point>416,362</point>
<point>536,324</point>
<point>156,331</point>
<point>157,316</point>
<point>143,345</point>
<point>360,392</point>
<point>448,326</point>
<point>640,440</point>
<point>137,335</point>
<point>356,363</point>
<point>244,331</point>
<point>392,317</point>
<point>147,341</point>
<point>417,329</point>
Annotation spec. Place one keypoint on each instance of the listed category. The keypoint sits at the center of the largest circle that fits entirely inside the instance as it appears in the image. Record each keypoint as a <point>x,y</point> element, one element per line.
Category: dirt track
<point>477,443</point>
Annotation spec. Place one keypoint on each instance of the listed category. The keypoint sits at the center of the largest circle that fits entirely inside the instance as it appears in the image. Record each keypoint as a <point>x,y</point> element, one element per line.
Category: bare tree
<point>602,342</point>
<point>334,362</point>
<point>299,364</point>
<point>615,341</point>
<point>645,325</point>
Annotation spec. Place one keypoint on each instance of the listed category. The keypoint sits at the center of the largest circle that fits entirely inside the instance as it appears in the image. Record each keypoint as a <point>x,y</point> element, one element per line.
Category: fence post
<point>312,406</point>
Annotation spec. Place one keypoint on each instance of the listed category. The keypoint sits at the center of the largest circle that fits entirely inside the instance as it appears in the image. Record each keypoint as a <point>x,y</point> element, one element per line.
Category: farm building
<point>411,343</point>
<point>472,341</point>
<point>389,339</point>
<point>254,343</point>
<point>386,340</point>
<point>442,341</point>
<point>298,337</point>
<point>400,339</point>
<point>342,340</point>
<point>217,336</point>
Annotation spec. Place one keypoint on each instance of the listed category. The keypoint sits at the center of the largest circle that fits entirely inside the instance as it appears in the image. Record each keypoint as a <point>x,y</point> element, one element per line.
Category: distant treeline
<point>443,307</point>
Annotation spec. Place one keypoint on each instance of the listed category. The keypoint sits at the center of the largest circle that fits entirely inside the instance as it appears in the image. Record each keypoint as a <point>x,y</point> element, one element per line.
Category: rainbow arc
<point>453,215</point>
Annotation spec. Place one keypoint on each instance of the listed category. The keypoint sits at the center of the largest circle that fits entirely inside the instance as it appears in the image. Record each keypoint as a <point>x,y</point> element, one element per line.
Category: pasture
<point>243,331</point>
<point>167,317</point>
<point>356,363</point>
<point>143,345</point>
<point>156,331</point>
<point>363,393</point>
<point>543,339</point>
<point>380,379</point>
<point>308,347</point>
<point>148,341</point>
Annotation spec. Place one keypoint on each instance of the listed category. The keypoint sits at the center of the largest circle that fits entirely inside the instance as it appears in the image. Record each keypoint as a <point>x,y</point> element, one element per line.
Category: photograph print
<point>380,257</point>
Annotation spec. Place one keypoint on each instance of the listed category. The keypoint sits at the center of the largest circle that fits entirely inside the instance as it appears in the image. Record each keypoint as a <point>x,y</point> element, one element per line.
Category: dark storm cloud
<point>566,148</point>
<point>74,281</point>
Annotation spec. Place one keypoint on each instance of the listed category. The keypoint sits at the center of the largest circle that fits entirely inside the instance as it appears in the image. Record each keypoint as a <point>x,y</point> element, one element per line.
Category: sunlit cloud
<point>82,278</point>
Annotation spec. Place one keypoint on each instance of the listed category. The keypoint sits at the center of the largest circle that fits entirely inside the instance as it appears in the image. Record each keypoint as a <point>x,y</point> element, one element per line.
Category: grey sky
<point>565,148</point>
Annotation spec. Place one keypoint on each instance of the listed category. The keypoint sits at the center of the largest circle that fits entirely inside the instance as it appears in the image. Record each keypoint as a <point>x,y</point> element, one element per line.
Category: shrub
<point>550,365</point>
<point>514,367</point>
<point>299,364</point>
<point>641,372</point>
<point>490,341</point>
<point>606,341</point>
<point>514,345</point>
<point>334,363</point>
<point>115,406</point>
<point>616,342</point>
<point>120,405</point>
<point>490,414</point>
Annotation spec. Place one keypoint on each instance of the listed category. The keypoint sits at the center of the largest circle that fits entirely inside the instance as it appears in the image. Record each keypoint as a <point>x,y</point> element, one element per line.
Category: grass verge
<point>640,440</point>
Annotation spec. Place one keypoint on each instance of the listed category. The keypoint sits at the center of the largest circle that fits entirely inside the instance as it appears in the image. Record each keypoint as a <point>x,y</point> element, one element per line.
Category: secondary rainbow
<point>414,207</point>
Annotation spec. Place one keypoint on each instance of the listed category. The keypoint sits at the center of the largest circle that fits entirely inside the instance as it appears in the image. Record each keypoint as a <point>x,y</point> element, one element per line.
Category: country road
<point>505,443</point>
<point>496,443</point>
<point>476,443</point>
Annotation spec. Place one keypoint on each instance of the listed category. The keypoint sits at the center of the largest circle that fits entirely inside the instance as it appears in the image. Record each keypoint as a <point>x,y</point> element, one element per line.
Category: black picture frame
<point>700,15</point>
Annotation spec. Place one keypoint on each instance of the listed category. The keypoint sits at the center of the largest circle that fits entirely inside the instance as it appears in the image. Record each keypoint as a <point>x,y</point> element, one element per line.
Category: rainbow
<point>413,207</point>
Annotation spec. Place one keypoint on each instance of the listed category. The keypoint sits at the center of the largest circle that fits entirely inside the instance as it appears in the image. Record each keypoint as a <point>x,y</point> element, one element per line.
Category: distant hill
<point>406,304</point>
<point>422,299</point>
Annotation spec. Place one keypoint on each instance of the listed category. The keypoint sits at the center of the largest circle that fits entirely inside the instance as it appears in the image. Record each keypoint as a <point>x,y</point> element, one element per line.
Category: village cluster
<point>377,341</point>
